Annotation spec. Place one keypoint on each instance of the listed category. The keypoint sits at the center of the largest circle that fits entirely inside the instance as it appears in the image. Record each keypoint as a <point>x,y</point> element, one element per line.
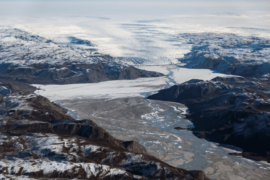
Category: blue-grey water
<point>172,119</point>
<point>72,113</point>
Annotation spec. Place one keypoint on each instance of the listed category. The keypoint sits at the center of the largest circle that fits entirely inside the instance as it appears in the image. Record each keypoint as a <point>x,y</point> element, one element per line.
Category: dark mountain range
<point>231,110</point>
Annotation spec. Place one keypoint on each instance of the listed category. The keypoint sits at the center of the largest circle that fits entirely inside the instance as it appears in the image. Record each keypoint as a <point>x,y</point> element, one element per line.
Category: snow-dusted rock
<point>4,90</point>
<point>228,53</point>
<point>34,59</point>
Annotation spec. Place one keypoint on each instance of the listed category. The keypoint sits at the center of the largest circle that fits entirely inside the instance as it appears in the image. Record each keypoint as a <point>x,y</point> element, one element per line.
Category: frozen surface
<point>126,88</point>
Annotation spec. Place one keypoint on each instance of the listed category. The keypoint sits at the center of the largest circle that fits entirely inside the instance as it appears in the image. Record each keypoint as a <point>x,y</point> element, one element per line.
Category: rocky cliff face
<point>231,110</point>
<point>34,59</point>
<point>39,140</point>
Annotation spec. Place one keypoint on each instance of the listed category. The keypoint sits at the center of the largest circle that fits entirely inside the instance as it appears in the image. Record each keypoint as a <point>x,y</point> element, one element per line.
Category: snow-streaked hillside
<point>33,58</point>
<point>23,48</point>
<point>228,53</point>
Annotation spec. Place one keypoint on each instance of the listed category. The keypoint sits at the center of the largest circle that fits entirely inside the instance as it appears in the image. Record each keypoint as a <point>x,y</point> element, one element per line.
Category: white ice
<point>125,88</point>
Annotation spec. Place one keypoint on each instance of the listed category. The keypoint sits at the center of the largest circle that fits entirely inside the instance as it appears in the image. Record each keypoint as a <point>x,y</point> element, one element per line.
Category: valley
<point>119,97</point>
<point>129,115</point>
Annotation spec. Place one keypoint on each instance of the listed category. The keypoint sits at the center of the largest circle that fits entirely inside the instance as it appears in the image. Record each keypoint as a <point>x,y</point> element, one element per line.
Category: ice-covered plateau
<point>34,59</point>
<point>227,110</point>
<point>228,53</point>
<point>39,140</point>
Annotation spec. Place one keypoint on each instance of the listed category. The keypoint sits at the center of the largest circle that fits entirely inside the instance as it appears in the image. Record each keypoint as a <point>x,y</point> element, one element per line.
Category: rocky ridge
<point>228,53</point>
<point>227,110</point>
<point>39,140</point>
<point>34,59</point>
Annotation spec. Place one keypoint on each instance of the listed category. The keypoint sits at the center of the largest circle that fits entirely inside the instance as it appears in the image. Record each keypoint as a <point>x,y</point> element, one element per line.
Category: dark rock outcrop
<point>70,73</point>
<point>231,110</point>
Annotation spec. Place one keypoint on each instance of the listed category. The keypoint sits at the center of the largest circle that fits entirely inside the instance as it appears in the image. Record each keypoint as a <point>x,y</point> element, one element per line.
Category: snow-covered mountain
<point>228,53</point>
<point>35,59</point>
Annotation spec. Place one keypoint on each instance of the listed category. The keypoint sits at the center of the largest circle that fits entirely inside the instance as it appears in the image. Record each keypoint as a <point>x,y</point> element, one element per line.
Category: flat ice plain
<point>174,74</point>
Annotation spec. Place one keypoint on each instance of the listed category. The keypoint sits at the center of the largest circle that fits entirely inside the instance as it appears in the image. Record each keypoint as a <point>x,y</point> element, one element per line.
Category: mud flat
<point>228,169</point>
<point>152,123</point>
<point>127,119</point>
